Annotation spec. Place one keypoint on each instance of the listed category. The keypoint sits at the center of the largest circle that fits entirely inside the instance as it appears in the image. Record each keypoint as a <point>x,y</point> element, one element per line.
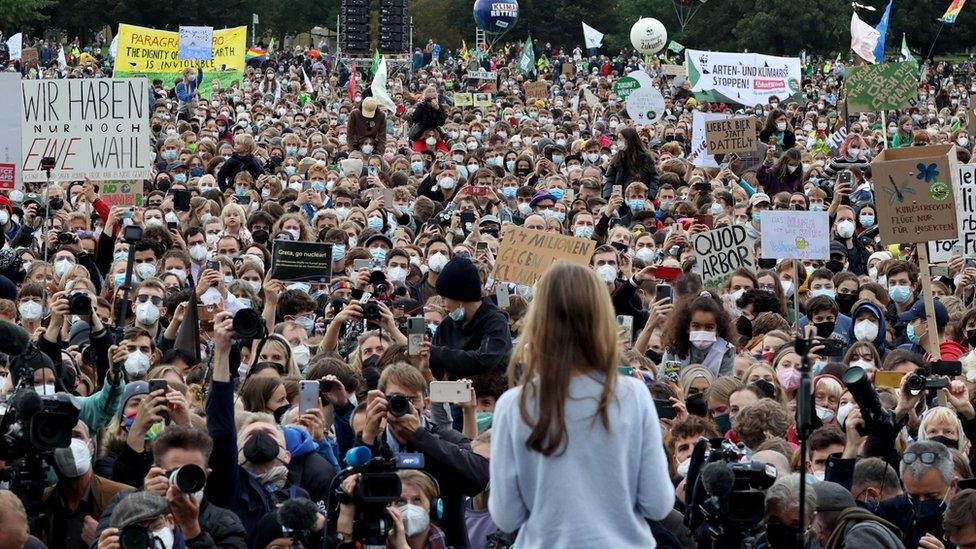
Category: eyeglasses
<point>927,458</point>
<point>157,301</point>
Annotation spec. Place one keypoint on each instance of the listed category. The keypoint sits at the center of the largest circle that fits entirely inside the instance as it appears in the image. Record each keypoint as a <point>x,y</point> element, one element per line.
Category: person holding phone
<point>569,406</point>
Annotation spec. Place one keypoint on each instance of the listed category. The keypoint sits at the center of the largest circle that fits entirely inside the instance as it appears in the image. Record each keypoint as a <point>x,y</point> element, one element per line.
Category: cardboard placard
<point>965,191</point>
<point>482,100</point>
<point>28,56</point>
<point>94,128</point>
<point>914,197</point>
<point>888,86</point>
<point>731,135</point>
<point>674,70</point>
<point>121,193</point>
<point>787,234</point>
<point>972,120</point>
<point>722,251</point>
<point>569,69</point>
<point>195,43</point>
<point>524,255</point>
<point>463,99</point>
<point>301,261</point>
<point>536,90</point>
<point>699,143</point>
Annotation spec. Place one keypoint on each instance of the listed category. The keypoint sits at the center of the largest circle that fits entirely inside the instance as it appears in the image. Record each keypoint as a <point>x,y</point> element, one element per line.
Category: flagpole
<point>934,40</point>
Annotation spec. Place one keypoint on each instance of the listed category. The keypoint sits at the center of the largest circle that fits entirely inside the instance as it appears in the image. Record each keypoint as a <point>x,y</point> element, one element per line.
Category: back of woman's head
<point>257,391</point>
<point>570,327</point>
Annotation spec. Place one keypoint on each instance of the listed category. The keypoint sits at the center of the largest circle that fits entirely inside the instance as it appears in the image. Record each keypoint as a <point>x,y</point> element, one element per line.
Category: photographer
<point>395,422</point>
<point>185,450</point>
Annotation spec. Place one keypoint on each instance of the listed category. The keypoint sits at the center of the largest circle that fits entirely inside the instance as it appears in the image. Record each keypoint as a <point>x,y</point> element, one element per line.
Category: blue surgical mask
<point>457,315</point>
<point>636,204</point>
<point>240,191</point>
<point>829,292</point>
<point>374,223</point>
<point>910,331</point>
<point>119,280</point>
<point>417,167</point>
<point>509,192</point>
<point>318,186</point>
<point>379,254</point>
<point>179,177</point>
<point>432,328</point>
<point>510,165</point>
<point>170,155</point>
<point>291,151</point>
<point>867,220</point>
<point>290,170</point>
<point>756,217</point>
<point>338,252</point>
<point>120,256</point>
<point>196,171</point>
<point>306,322</point>
<point>557,193</point>
<point>900,294</point>
<point>583,231</point>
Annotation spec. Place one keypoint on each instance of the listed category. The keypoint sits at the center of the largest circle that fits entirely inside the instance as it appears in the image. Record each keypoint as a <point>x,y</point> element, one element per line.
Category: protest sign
<point>914,198</point>
<point>888,86</point>
<point>722,251</point>
<point>643,79</point>
<point>965,191</point>
<point>301,261</point>
<point>28,56</point>
<point>11,176</point>
<point>743,78</point>
<point>625,86</point>
<point>569,69</point>
<point>524,255</point>
<point>485,81</point>
<point>731,135</point>
<point>482,100</point>
<point>195,43</point>
<point>789,234</point>
<point>674,70</point>
<point>463,99</point>
<point>645,106</point>
<point>93,128</point>
<point>126,194</point>
<point>536,90</point>
<point>699,141</point>
<point>154,54</point>
<point>972,120</point>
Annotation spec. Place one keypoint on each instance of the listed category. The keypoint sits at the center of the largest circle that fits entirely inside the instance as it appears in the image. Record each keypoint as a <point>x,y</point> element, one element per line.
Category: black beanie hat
<point>459,280</point>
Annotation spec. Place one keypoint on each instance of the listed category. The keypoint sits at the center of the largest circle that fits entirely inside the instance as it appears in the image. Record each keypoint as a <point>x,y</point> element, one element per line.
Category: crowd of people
<point>191,422</point>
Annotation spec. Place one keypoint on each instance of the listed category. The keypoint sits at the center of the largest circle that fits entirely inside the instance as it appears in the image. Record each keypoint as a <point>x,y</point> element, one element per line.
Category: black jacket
<point>218,526</point>
<point>236,164</point>
<point>481,346</point>
<point>459,472</point>
<point>426,117</point>
<point>314,473</point>
<point>617,174</point>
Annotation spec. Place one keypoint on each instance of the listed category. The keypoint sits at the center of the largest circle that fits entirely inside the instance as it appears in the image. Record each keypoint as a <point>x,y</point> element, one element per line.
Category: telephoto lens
<point>248,324</point>
<point>189,478</point>
<point>398,404</point>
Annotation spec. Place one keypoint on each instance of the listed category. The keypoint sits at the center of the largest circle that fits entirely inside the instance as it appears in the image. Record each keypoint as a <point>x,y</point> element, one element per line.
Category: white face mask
<point>145,271</point>
<point>826,415</point>
<point>845,229</point>
<point>62,266</point>
<point>865,330</point>
<point>198,252</point>
<point>46,389</point>
<point>136,364</point>
<point>436,262</point>
<point>683,466</point>
<point>302,354</point>
<point>702,339</point>
<point>415,519</point>
<point>147,313</point>
<point>397,274</point>
<point>607,273</point>
<point>164,537</point>
<point>73,461</point>
<point>30,310</point>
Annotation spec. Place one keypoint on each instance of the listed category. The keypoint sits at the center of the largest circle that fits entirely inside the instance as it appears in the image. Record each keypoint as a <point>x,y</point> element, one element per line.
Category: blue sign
<point>496,16</point>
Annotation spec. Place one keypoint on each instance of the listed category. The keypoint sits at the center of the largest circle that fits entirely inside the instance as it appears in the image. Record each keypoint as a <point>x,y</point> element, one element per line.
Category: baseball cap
<point>918,311</point>
<point>759,198</point>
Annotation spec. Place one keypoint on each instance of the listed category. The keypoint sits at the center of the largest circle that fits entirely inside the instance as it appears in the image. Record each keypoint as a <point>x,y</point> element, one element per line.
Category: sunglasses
<point>927,458</point>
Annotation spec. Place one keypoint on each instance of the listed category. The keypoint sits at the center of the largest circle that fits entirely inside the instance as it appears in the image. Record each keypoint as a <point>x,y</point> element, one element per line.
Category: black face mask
<point>280,412</point>
<point>824,329</point>
<point>620,247</point>
<point>371,362</point>
<point>767,263</point>
<point>261,448</point>
<point>945,441</point>
<point>835,266</point>
<point>655,356</point>
<point>845,302</point>
<point>260,236</point>
<point>696,405</point>
<point>781,536</point>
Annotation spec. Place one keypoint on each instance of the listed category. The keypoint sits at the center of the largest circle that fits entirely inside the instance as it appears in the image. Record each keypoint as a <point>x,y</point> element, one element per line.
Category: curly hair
<point>759,421</point>
<point>676,332</point>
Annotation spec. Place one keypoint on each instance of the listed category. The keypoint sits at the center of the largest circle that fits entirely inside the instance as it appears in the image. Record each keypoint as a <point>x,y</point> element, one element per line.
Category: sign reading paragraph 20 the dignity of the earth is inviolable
<point>526,254</point>
<point>93,128</point>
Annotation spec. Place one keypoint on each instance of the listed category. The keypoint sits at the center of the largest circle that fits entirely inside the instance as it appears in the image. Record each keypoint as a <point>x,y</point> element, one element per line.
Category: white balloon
<point>648,35</point>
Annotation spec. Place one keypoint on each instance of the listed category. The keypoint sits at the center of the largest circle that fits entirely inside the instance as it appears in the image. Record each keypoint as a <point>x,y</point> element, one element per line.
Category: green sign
<point>884,87</point>
<point>625,86</point>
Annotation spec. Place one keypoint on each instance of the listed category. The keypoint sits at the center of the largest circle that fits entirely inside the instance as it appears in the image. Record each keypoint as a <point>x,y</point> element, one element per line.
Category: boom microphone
<point>298,515</point>
<point>358,456</point>
<point>717,479</point>
<point>14,340</point>
<point>26,403</point>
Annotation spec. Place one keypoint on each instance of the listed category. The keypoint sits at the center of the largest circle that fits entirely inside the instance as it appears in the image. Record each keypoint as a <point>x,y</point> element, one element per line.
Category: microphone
<point>358,456</point>
<point>26,403</point>
<point>14,340</point>
<point>718,479</point>
<point>298,515</point>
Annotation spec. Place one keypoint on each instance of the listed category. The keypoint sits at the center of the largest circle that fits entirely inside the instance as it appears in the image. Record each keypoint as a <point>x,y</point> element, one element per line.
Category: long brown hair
<point>570,327</point>
<point>629,157</point>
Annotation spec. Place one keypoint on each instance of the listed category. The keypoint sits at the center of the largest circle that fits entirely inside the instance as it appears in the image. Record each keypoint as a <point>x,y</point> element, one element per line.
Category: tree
<point>15,14</point>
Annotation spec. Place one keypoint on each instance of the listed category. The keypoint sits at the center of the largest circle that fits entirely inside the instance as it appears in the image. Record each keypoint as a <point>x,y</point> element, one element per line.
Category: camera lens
<point>134,537</point>
<point>915,382</point>
<point>79,304</point>
<point>398,403</point>
<point>371,311</point>
<point>189,478</point>
<point>248,324</point>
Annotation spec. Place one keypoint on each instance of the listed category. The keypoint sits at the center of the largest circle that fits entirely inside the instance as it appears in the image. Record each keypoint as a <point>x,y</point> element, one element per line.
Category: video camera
<point>727,503</point>
<point>37,423</point>
<point>378,487</point>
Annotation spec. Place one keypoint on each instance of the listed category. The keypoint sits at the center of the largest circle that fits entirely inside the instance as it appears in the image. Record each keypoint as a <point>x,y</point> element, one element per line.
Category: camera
<point>29,425</point>
<point>918,382</point>
<point>248,324</point>
<point>189,478</point>
<point>135,536</point>
<point>371,311</point>
<point>378,281</point>
<point>79,304</point>
<point>398,404</point>
<point>874,415</point>
<point>65,238</point>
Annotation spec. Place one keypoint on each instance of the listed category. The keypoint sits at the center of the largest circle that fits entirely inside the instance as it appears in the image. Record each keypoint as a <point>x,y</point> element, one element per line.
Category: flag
<point>675,46</point>
<point>352,82</point>
<point>255,54</point>
<point>378,87</point>
<point>271,45</point>
<point>592,37</point>
<point>464,52</point>
<point>592,101</point>
<point>62,62</point>
<point>113,47</point>
<point>308,82</point>
<point>882,29</point>
<point>954,8</point>
<point>906,53</point>
<point>188,334</point>
<point>864,38</point>
<point>15,44</point>
<point>376,64</point>
<point>527,61</point>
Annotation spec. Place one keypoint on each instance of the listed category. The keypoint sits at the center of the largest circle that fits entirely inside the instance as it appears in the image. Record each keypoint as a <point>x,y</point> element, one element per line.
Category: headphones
<point>437,505</point>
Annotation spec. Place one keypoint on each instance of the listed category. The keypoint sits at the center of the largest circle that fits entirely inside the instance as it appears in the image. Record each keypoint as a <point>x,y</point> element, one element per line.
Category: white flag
<point>15,44</point>
<point>592,37</point>
<point>378,87</point>
<point>308,82</point>
<point>864,38</point>
<point>113,47</point>
<point>62,62</point>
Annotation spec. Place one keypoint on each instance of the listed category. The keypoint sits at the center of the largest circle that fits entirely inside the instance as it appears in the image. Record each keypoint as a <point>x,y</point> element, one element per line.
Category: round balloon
<point>648,35</point>
<point>496,16</point>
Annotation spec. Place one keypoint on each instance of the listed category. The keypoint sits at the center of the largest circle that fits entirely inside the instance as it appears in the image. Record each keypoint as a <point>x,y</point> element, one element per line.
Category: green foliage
<point>14,14</point>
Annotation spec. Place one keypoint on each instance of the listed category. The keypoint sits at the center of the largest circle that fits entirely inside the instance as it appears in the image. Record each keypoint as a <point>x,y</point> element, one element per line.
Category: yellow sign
<point>463,100</point>
<point>153,53</point>
<point>524,255</point>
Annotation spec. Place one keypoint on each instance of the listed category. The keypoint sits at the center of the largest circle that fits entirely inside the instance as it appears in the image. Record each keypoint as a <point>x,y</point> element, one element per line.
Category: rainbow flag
<point>954,8</point>
<point>255,54</point>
